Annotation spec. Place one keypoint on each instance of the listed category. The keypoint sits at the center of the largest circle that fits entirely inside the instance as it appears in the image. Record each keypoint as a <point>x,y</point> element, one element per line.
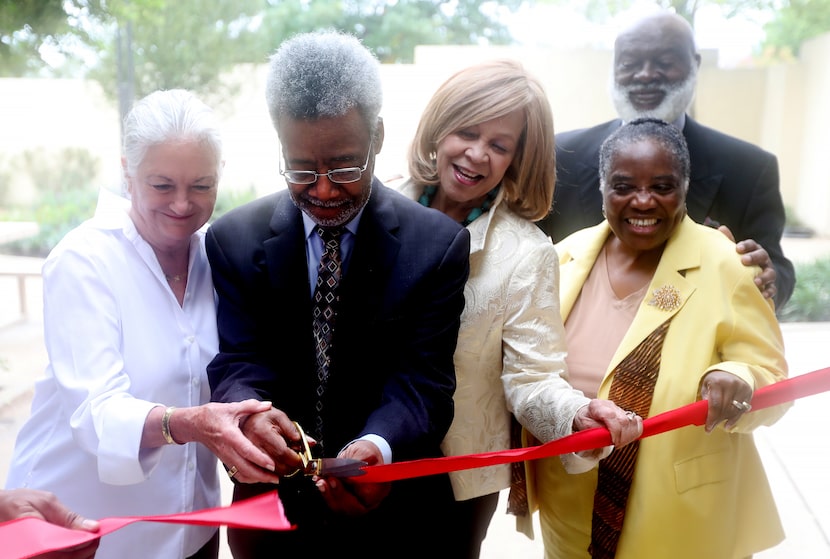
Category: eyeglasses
<point>345,175</point>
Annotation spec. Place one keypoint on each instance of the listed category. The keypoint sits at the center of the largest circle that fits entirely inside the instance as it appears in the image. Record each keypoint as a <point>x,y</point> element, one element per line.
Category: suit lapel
<point>577,257</point>
<point>287,245</point>
<point>375,251</point>
<point>681,254</point>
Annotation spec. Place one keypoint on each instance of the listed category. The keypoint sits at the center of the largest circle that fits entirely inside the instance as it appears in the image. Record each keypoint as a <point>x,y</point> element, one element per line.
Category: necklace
<point>429,193</point>
<point>178,277</point>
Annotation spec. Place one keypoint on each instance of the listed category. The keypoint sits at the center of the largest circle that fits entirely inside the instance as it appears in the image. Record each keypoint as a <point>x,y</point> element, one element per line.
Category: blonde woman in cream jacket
<point>483,154</point>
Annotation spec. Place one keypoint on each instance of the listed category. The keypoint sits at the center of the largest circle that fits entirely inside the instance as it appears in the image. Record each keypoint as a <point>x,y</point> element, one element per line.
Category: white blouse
<point>119,344</point>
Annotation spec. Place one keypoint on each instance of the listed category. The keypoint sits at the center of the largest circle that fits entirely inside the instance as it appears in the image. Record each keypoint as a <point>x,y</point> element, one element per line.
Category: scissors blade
<point>339,467</point>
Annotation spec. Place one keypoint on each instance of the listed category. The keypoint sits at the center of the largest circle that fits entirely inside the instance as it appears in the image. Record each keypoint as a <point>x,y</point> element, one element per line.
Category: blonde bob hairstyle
<point>480,93</point>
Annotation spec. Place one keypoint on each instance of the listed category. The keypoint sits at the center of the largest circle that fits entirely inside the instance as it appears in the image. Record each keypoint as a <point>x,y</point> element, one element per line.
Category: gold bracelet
<point>165,425</point>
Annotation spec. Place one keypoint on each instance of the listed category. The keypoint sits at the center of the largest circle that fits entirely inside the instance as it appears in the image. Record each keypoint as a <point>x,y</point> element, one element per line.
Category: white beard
<point>678,98</point>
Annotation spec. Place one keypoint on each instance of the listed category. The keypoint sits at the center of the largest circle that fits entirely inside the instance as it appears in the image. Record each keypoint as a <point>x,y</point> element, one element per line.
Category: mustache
<point>636,88</point>
<point>323,203</point>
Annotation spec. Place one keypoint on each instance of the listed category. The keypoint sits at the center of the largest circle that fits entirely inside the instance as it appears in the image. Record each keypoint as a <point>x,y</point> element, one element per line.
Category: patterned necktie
<point>324,314</point>
<point>517,503</point>
<point>631,389</point>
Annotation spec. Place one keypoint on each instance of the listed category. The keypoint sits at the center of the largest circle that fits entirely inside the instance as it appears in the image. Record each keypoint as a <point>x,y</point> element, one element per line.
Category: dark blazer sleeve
<point>737,184</point>
<point>253,322</point>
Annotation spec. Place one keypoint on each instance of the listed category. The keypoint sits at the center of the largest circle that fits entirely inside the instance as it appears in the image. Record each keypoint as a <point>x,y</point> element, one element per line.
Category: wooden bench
<point>22,268</point>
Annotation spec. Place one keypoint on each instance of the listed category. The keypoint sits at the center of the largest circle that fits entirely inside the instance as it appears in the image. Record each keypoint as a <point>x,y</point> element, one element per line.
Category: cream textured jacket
<point>694,494</point>
<point>511,346</point>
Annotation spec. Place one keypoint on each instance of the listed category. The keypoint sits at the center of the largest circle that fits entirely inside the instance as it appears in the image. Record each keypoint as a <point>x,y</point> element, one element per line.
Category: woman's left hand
<point>729,398</point>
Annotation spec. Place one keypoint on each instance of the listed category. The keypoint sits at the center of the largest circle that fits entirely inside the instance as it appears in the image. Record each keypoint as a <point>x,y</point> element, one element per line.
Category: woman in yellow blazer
<point>650,293</point>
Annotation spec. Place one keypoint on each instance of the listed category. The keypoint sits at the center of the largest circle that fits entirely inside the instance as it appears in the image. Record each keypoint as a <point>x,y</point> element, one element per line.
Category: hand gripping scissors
<point>337,467</point>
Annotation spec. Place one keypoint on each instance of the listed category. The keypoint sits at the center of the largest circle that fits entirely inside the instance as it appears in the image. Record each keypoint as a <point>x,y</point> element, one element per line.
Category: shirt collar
<point>309,225</point>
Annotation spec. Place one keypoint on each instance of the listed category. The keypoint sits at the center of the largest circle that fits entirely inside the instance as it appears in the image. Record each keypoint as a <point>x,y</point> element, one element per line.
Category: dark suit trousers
<point>413,521</point>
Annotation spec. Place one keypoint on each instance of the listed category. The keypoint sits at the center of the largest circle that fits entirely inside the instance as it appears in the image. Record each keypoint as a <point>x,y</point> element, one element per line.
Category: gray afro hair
<point>323,74</point>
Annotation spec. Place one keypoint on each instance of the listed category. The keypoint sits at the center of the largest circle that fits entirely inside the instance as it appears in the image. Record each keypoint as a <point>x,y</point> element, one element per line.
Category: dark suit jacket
<point>733,182</point>
<point>391,374</point>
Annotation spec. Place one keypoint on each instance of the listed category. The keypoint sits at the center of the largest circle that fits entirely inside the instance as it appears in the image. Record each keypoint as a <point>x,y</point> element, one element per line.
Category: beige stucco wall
<point>813,200</point>
<point>52,115</point>
<point>782,108</point>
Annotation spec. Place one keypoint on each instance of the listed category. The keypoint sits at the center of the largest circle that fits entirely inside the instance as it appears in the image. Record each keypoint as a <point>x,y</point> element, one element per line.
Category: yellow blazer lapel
<point>681,254</point>
<point>577,254</point>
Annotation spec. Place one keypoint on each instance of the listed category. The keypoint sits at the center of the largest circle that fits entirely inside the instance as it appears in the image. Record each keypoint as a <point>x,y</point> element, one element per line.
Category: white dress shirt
<point>119,344</point>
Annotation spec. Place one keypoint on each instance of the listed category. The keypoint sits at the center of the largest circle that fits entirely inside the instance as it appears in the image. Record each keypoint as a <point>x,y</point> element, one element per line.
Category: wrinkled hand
<point>353,498</point>
<point>721,389</point>
<point>753,254</point>
<point>624,426</point>
<point>218,427</point>
<point>20,503</point>
<point>273,433</point>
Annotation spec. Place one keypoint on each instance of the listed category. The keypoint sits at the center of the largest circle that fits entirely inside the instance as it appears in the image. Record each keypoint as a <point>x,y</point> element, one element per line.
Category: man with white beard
<point>733,183</point>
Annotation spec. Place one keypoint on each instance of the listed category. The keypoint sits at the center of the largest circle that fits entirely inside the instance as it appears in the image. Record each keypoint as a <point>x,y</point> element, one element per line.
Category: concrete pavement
<point>796,450</point>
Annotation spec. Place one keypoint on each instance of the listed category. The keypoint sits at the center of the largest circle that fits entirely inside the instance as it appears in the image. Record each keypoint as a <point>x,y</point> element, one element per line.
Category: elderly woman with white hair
<point>130,326</point>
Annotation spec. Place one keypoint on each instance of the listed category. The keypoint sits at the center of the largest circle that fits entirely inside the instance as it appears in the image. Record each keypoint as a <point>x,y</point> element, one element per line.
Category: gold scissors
<point>337,467</point>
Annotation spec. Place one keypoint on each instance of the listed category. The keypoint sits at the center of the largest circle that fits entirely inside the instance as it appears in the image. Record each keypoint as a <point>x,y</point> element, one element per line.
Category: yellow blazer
<point>694,494</point>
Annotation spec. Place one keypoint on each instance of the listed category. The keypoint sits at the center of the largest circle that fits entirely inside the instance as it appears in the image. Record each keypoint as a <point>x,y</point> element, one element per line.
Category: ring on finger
<point>232,471</point>
<point>742,406</point>
<point>632,416</point>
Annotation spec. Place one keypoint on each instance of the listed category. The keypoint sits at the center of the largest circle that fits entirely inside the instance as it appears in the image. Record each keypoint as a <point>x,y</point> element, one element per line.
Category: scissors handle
<point>305,455</point>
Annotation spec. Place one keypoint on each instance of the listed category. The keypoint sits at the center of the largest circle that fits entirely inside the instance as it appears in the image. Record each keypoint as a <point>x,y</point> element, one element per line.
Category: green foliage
<point>390,29</point>
<point>68,170</point>
<point>193,43</point>
<point>50,172</point>
<point>229,199</point>
<point>795,22</point>
<point>603,10</point>
<point>56,214</point>
<point>174,44</point>
<point>24,26</point>
<point>810,301</point>
<point>63,192</point>
<point>60,212</point>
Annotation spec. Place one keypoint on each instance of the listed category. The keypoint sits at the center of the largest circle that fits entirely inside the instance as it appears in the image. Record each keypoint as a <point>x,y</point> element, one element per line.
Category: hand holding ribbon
<point>27,537</point>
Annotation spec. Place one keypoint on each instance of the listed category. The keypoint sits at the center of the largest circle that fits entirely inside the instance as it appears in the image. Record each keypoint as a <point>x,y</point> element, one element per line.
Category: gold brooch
<point>666,298</point>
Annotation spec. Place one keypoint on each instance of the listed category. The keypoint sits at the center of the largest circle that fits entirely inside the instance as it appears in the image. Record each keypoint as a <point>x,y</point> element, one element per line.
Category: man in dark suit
<point>381,389</point>
<point>733,183</point>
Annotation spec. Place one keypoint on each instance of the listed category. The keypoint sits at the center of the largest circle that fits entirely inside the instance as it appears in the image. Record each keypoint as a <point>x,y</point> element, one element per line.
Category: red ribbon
<point>26,537</point>
<point>693,414</point>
